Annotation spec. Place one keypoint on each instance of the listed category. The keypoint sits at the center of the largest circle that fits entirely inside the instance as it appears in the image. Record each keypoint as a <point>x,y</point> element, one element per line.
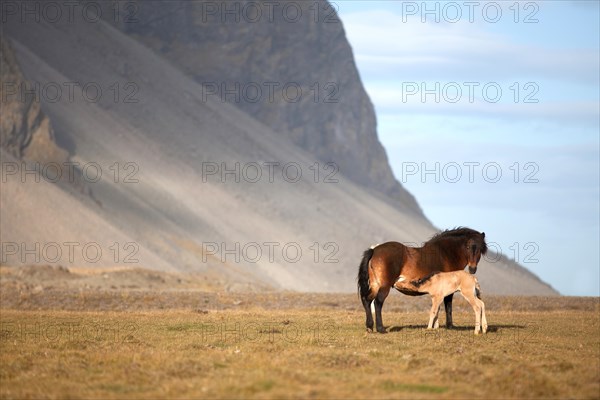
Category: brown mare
<point>393,264</point>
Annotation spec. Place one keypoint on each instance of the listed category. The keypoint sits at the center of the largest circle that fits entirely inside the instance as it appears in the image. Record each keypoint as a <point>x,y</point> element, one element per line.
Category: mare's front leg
<point>448,308</point>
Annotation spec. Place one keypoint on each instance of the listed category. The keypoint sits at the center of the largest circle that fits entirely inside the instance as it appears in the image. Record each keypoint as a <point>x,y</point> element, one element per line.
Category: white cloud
<point>392,55</point>
<point>388,48</point>
<point>394,98</point>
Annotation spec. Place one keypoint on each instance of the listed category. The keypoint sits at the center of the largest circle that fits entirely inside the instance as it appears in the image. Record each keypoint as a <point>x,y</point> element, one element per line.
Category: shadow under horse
<point>393,264</point>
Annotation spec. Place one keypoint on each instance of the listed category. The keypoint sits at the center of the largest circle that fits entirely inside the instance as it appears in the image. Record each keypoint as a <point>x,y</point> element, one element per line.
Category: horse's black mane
<point>459,231</point>
<point>424,279</point>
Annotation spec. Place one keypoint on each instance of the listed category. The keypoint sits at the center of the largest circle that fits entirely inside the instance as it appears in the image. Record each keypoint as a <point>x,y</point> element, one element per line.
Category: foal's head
<point>476,247</point>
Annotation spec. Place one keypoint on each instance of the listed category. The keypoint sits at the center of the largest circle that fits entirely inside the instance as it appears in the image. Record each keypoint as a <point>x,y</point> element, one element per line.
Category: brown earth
<point>157,340</point>
<point>136,289</point>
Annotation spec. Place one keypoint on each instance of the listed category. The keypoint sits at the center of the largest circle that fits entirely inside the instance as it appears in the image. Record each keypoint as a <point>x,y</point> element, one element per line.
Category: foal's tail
<point>477,289</point>
<point>364,286</point>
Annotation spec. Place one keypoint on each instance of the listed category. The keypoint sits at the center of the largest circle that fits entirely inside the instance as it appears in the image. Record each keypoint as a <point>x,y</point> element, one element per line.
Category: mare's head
<point>476,247</point>
<point>462,245</point>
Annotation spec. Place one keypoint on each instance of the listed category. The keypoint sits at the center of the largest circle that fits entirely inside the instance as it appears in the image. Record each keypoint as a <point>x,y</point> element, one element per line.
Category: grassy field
<point>315,349</point>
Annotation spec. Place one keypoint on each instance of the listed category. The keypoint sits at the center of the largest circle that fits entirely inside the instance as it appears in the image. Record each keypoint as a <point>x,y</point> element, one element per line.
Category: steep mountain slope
<point>163,138</point>
<point>25,131</point>
<point>288,64</point>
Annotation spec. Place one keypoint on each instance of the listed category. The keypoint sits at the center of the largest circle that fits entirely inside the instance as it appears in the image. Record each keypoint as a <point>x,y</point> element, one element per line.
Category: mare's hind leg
<point>379,299</point>
<point>448,308</point>
<point>367,305</point>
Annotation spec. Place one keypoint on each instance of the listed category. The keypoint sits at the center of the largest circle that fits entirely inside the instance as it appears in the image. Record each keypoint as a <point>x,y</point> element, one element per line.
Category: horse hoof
<point>382,330</point>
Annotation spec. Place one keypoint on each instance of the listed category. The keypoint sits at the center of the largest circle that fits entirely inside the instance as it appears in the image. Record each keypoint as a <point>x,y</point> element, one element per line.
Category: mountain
<point>25,131</point>
<point>179,181</point>
<point>288,64</point>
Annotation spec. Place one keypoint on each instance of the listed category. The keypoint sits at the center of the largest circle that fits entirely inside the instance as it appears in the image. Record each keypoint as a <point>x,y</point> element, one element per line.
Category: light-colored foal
<point>442,284</point>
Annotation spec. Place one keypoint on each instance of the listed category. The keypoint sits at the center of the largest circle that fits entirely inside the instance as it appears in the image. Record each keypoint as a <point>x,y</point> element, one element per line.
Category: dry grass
<point>319,352</point>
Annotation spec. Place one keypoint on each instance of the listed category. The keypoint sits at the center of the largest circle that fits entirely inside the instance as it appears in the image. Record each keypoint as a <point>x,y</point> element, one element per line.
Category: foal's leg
<point>379,299</point>
<point>477,318</point>
<point>436,302</point>
<point>484,324</point>
<point>367,305</point>
<point>476,308</point>
<point>448,308</point>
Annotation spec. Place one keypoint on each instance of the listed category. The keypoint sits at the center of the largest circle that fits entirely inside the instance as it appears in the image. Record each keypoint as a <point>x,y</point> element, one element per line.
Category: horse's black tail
<point>364,288</point>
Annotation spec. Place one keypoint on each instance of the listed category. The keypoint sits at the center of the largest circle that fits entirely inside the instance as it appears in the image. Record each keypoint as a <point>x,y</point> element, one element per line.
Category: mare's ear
<point>483,235</point>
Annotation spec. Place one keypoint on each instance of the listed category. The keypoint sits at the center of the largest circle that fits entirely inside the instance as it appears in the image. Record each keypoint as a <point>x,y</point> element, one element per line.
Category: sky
<point>490,116</point>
